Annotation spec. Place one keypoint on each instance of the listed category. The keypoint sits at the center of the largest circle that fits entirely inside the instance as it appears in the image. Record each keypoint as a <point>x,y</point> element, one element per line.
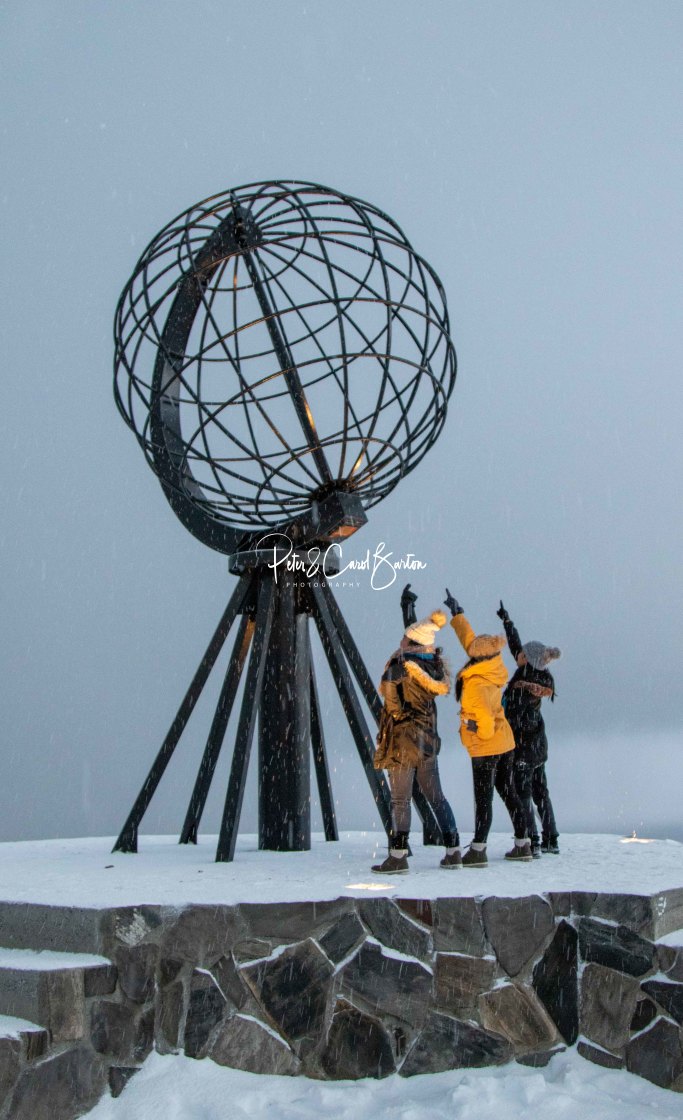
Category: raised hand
<point>502,613</point>
<point>408,600</point>
<point>452,603</point>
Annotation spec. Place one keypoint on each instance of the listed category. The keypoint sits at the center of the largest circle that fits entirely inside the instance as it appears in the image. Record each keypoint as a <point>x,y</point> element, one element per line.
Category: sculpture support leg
<point>322,772</point>
<point>284,730</point>
<point>359,729</point>
<point>245,729</point>
<point>128,837</point>
<point>217,733</point>
<point>431,832</point>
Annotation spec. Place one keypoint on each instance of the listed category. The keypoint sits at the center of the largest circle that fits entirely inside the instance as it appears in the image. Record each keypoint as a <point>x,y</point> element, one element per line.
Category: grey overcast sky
<point>532,152</point>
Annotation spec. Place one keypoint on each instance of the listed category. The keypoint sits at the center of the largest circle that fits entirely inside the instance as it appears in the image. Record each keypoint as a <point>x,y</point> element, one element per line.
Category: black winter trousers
<point>532,787</point>
<point>429,781</point>
<point>495,771</point>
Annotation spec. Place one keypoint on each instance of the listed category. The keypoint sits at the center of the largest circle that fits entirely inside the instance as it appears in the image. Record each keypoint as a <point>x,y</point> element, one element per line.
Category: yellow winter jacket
<point>482,684</point>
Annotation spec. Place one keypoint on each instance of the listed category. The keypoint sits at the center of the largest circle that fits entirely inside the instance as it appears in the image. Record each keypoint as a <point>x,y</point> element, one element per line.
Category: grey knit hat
<point>539,655</point>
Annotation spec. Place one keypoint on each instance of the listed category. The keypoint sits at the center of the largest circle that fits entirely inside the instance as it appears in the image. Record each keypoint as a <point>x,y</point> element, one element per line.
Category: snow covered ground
<point>178,1088</point>
<point>84,872</point>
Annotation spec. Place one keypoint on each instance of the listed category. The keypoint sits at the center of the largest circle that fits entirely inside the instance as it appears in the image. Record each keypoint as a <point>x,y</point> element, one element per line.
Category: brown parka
<point>408,727</point>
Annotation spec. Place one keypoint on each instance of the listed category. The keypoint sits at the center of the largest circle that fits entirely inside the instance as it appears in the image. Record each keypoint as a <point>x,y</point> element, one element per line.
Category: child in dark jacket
<point>530,685</point>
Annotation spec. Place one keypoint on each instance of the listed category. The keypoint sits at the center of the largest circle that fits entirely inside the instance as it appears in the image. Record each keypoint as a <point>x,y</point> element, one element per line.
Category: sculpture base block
<point>307,964</point>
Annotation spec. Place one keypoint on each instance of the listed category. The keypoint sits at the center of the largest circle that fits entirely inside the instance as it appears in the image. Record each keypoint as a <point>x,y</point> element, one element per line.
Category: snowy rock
<point>292,921</point>
<point>669,908</point>
<point>644,1014</point>
<point>394,929</point>
<point>447,1043</point>
<point>555,981</point>
<point>419,909</point>
<point>675,970</point>
<point>119,1076</point>
<point>207,1006</point>
<point>599,1057</point>
<point>168,970</point>
<point>59,1088</point>
<point>638,912</point>
<point>517,929</point>
<point>666,958</point>
<point>202,934</point>
<point>169,1017</point>
<point>121,1032</point>
<point>668,996</point>
<point>252,949</point>
<point>540,1059</point>
<point>358,1045</point>
<point>515,1013</point>
<point>128,925</point>
<point>99,981</point>
<point>561,903</point>
<point>292,988</point>
<point>136,967</point>
<point>608,1004</point>
<point>615,947</point>
<point>244,1043</point>
<point>388,983</point>
<point>342,937</point>
<point>458,926</point>
<point>11,1054</point>
<point>459,980</point>
<point>656,1054</point>
<point>230,982</point>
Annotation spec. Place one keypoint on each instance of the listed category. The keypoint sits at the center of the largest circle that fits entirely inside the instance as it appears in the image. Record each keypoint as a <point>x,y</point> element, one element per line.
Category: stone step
<point>50,988</point>
<point>25,925</point>
<point>20,1042</point>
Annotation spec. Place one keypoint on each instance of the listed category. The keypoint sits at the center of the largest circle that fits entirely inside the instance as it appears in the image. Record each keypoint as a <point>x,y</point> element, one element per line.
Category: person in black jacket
<point>530,685</point>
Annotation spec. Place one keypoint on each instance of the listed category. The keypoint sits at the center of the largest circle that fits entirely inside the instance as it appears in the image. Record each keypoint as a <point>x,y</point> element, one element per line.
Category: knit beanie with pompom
<point>423,632</point>
<point>539,655</point>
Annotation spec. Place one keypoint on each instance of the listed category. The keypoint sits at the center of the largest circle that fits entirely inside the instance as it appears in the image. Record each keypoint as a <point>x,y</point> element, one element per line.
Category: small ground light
<point>369,886</point>
<point>634,839</point>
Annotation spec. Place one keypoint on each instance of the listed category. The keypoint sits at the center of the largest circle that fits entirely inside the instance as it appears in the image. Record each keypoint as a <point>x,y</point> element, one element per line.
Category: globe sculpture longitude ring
<point>277,346</point>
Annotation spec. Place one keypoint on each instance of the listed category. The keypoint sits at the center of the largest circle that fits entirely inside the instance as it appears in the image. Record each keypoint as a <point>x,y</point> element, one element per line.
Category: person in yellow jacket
<point>487,736</point>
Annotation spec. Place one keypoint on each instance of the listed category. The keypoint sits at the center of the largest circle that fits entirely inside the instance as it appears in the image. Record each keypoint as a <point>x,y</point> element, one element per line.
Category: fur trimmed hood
<point>491,669</point>
<point>437,686</point>
<point>486,645</point>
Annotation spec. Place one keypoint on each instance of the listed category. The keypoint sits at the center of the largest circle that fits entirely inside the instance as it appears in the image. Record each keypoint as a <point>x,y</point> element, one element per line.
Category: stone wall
<point>353,988</point>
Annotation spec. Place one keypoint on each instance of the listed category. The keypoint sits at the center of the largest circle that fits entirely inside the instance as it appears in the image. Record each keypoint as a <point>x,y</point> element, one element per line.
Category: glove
<point>471,725</point>
<point>452,604</point>
<point>502,613</point>
<point>408,600</point>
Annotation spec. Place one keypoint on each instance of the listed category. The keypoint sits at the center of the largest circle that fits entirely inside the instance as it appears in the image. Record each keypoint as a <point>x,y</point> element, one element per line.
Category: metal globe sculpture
<point>275,344</point>
<point>283,357</point>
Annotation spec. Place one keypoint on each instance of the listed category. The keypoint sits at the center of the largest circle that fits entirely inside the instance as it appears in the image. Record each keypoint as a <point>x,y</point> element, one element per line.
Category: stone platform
<point>432,971</point>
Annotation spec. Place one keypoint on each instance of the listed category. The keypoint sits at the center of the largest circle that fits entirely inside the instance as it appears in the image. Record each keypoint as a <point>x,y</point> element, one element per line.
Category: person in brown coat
<point>408,741</point>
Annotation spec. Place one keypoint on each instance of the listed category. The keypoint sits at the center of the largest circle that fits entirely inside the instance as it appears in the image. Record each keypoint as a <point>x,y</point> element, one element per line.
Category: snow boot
<point>550,846</point>
<point>535,849</point>
<point>396,862</point>
<point>453,856</point>
<point>475,858</point>
<point>521,852</point>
